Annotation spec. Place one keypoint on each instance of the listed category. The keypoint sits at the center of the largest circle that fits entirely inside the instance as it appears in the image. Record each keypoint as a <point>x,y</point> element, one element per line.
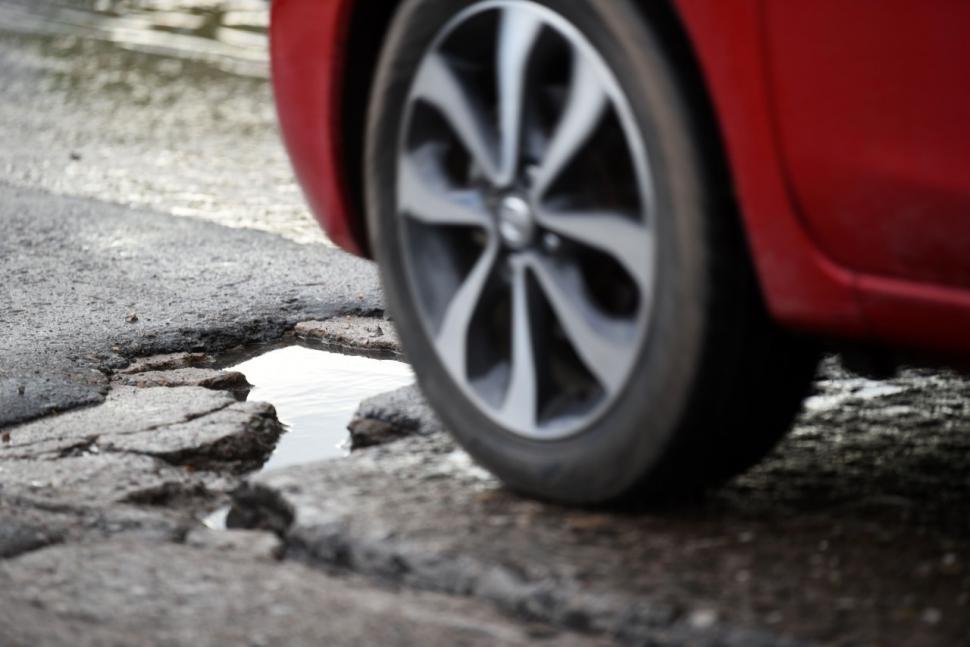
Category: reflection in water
<point>228,33</point>
<point>316,394</point>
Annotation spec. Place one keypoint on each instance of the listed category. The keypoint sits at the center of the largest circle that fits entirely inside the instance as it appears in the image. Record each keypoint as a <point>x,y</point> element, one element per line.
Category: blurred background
<point>163,104</point>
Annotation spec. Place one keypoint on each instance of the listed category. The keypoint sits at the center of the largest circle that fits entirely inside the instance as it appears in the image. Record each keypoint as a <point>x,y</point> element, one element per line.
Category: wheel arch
<point>367,27</point>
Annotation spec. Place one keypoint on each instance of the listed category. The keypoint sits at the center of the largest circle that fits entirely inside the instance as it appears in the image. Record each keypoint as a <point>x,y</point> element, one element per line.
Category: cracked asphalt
<point>150,228</point>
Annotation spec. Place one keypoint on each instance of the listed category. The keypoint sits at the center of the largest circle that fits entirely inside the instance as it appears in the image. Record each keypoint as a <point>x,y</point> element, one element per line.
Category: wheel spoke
<point>627,241</point>
<point>585,105</point>
<point>521,398</point>
<point>437,84</point>
<point>435,203</point>
<point>518,32</point>
<point>452,338</point>
<point>602,343</point>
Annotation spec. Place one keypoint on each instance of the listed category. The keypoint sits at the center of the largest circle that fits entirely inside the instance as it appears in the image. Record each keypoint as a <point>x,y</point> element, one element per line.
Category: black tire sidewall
<point>613,453</point>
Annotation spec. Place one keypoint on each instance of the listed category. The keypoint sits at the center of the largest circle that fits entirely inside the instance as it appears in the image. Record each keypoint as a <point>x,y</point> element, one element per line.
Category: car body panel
<point>872,104</point>
<point>802,287</point>
<point>807,285</point>
<point>307,43</point>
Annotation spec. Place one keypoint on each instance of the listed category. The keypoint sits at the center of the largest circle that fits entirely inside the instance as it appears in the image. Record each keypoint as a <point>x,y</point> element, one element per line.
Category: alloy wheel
<point>528,233</point>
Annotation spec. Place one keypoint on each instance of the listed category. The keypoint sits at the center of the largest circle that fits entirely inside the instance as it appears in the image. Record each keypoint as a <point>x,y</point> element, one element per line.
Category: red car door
<point>872,109</point>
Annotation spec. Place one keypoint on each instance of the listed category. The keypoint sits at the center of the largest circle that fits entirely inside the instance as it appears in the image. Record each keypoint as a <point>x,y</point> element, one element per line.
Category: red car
<point>614,234</point>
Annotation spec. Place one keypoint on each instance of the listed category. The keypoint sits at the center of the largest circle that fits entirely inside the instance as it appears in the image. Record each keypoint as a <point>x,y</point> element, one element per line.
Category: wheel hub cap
<point>516,222</point>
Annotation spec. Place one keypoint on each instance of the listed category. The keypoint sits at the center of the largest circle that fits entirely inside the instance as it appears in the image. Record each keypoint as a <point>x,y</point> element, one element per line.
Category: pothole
<point>316,393</point>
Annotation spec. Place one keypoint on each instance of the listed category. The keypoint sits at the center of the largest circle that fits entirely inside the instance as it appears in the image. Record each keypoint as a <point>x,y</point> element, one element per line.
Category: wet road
<point>168,110</point>
<point>146,208</point>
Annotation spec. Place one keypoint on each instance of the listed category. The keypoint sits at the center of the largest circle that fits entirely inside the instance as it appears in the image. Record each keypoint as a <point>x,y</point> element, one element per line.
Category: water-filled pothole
<point>316,393</point>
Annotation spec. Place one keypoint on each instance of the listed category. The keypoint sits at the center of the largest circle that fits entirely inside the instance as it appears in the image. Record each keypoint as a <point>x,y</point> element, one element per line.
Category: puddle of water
<point>216,520</point>
<point>316,393</point>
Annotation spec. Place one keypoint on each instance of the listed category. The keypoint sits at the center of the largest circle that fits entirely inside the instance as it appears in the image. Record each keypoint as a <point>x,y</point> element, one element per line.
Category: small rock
<point>236,438</point>
<point>165,362</point>
<point>368,432</point>
<point>256,507</point>
<point>126,411</point>
<point>205,377</point>
<point>132,317</point>
<point>932,616</point>
<point>21,389</point>
<point>75,156</point>
<point>5,437</point>
<point>358,333</point>
<point>392,416</point>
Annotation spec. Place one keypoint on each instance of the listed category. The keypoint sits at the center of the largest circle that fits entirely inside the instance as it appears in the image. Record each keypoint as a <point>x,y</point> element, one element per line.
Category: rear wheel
<point>575,298</point>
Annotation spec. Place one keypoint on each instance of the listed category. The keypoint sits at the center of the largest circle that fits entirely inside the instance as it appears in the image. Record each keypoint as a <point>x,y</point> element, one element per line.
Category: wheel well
<point>368,27</point>
<point>670,30</point>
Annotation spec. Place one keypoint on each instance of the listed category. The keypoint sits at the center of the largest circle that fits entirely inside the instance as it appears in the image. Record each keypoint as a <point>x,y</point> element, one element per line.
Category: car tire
<point>712,383</point>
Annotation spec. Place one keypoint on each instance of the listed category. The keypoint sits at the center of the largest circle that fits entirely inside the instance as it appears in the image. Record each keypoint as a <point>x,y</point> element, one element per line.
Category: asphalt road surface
<point>150,228</point>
